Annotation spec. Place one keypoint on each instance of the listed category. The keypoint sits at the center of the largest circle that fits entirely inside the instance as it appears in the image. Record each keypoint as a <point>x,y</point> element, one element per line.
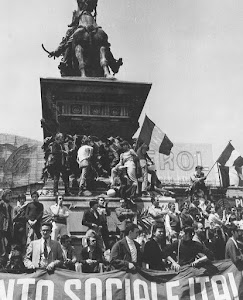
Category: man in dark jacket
<point>187,251</point>
<point>58,165</point>
<point>91,217</point>
<point>232,250</point>
<point>91,257</point>
<point>126,254</point>
<point>153,250</point>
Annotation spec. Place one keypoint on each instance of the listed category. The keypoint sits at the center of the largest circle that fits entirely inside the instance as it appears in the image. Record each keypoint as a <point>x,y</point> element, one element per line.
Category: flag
<point>230,157</point>
<point>155,138</point>
<point>230,167</point>
<point>229,176</point>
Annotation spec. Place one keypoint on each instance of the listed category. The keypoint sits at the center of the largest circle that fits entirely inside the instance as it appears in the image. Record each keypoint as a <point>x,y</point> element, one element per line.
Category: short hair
<point>188,229</point>
<point>92,203</point>
<point>232,228</point>
<point>195,225</point>
<point>153,198</point>
<point>5,193</point>
<point>59,135</point>
<point>130,227</point>
<point>158,226</point>
<point>91,237</point>
<point>47,224</point>
<point>22,196</point>
<point>124,143</point>
<point>35,193</point>
<point>170,204</point>
<point>58,197</point>
<point>64,238</point>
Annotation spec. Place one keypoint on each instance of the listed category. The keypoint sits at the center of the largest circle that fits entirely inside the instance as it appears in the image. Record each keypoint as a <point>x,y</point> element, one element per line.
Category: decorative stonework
<point>92,106</point>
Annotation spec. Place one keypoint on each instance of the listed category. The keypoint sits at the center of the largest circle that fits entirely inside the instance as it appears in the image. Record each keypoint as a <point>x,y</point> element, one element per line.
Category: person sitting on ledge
<point>91,256</point>
<point>127,159</point>
<point>68,252</point>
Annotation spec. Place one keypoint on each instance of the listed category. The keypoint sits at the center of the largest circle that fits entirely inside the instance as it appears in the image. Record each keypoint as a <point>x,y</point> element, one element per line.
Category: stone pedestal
<point>92,106</point>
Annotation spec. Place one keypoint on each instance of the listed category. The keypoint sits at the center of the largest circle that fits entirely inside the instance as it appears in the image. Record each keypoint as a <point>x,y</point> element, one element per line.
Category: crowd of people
<point>195,234</point>
<point>80,160</point>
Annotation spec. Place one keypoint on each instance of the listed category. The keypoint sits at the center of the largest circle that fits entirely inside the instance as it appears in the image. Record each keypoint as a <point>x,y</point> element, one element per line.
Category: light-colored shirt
<point>157,213</point>
<point>214,220</point>
<point>132,249</point>
<point>61,211</point>
<point>84,152</point>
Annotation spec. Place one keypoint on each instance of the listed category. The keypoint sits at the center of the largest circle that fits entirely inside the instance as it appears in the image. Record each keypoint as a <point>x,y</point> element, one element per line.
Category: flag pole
<point>218,159</point>
<point>220,179</point>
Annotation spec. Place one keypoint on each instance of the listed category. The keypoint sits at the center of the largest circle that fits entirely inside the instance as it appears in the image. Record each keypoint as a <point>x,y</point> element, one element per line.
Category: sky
<point>190,50</point>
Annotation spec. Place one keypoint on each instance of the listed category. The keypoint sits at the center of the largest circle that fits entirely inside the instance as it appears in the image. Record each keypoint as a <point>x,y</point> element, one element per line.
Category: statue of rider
<point>78,30</point>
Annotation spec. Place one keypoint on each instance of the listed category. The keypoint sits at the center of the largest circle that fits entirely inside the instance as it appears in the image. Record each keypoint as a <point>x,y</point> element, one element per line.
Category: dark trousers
<point>56,176</point>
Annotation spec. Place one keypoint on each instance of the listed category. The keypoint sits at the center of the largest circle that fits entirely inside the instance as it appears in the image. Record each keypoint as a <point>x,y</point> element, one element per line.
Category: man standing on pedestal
<point>85,153</point>
<point>58,165</point>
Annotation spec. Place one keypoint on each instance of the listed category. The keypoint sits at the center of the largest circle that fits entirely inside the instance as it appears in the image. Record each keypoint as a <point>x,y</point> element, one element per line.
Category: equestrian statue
<point>85,49</point>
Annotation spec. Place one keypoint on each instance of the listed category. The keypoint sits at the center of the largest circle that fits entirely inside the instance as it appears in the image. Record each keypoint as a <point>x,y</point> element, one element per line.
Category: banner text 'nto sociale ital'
<point>219,281</point>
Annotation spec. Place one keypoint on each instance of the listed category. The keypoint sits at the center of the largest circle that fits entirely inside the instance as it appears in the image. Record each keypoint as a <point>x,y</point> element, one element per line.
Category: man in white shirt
<point>44,253</point>
<point>84,155</point>
<point>156,211</point>
<point>126,254</point>
<point>60,214</point>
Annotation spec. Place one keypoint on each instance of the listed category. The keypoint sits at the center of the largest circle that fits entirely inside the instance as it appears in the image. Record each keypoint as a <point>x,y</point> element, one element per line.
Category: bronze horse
<point>85,49</point>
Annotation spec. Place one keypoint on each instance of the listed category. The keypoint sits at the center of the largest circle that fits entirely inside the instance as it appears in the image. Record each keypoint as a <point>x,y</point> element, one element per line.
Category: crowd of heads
<point>200,220</point>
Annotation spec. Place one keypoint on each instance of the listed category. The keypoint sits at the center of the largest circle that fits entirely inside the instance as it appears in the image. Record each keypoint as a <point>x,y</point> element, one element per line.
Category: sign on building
<point>21,161</point>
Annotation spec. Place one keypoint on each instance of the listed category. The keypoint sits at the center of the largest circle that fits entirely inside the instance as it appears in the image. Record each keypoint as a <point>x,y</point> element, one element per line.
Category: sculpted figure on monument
<point>85,48</point>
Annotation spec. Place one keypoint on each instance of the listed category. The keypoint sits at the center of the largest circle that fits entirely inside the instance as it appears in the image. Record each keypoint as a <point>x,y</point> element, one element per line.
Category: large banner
<point>221,281</point>
<point>180,164</point>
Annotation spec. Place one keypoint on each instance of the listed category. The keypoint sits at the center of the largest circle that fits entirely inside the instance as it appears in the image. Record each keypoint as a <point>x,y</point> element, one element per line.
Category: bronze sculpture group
<point>85,49</point>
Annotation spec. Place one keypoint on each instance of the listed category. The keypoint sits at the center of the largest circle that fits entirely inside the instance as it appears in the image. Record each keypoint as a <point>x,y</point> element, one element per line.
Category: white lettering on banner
<point>191,289</point>
<point>136,288</point>
<point>169,287</point>
<point>185,161</point>
<point>166,160</point>
<point>109,283</point>
<point>202,281</point>
<point>26,285</point>
<point>238,202</point>
<point>88,288</point>
<point>233,286</point>
<point>154,292</point>
<point>128,289</point>
<point>67,288</point>
<point>220,280</point>
<point>39,289</point>
<point>9,294</point>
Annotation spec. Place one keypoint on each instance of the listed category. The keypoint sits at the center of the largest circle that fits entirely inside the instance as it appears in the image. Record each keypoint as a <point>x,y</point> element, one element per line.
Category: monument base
<point>92,106</point>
